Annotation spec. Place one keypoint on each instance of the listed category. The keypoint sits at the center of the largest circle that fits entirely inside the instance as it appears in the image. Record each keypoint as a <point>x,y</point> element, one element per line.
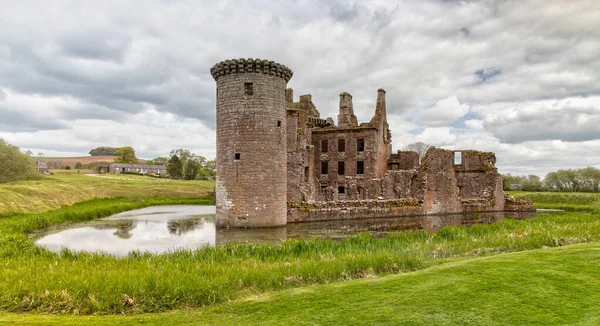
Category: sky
<point>518,78</point>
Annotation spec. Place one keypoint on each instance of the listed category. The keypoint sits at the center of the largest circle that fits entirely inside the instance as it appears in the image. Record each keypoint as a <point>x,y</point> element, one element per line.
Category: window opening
<point>324,147</point>
<point>248,89</point>
<point>278,123</point>
<point>360,145</point>
<point>306,170</point>
<point>237,156</point>
<point>324,167</point>
<point>360,167</point>
<point>341,145</point>
<point>341,168</point>
<point>341,190</point>
<point>457,157</point>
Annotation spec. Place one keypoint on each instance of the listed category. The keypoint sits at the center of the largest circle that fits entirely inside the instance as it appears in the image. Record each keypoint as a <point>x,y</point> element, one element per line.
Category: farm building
<point>136,168</point>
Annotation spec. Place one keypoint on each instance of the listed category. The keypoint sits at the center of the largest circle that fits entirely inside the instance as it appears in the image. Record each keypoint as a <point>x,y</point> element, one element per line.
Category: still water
<point>163,229</point>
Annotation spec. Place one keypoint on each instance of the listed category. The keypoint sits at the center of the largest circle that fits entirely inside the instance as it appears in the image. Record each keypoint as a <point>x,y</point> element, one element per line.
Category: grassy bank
<point>80,283</point>
<point>540,287</point>
<point>55,191</point>
<point>570,201</point>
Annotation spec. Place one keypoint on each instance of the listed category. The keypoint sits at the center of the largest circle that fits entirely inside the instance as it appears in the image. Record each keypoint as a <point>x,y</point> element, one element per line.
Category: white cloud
<point>444,112</point>
<point>474,124</point>
<point>80,75</point>
<point>571,119</point>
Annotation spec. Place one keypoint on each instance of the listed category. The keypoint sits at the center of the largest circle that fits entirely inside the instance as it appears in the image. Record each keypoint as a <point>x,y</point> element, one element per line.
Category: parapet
<point>241,65</point>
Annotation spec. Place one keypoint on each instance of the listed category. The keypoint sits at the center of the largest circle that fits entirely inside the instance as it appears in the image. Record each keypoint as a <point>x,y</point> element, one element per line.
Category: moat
<point>162,229</point>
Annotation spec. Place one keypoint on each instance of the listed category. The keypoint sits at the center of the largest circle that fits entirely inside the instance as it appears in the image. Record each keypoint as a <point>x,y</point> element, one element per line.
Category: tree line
<point>184,165</point>
<point>570,180</point>
<point>15,165</point>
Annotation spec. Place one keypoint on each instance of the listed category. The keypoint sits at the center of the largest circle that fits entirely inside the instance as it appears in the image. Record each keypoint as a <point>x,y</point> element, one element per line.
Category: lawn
<point>555,286</point>
<point>52,192</point>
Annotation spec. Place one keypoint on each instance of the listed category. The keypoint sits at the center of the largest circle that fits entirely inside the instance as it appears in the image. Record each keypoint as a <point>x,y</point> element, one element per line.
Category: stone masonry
<point>251,189</point>
<point>278,161</point>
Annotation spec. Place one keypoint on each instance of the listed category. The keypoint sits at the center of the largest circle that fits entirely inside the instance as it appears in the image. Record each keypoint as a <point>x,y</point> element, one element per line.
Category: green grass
<point>539,287</point>
<point>52,192</point>
<point>34,280</point>
<point>82,283</point>
<point>581,202</point>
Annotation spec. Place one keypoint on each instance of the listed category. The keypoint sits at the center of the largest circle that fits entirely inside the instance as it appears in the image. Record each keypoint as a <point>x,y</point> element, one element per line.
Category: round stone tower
<point>251,185</point>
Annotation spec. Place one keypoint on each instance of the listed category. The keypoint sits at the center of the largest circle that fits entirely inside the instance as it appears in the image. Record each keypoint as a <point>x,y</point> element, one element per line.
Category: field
<point>52,192</point>
<point>71,161</point>
<point>582,202</point>
<point>504,273</point>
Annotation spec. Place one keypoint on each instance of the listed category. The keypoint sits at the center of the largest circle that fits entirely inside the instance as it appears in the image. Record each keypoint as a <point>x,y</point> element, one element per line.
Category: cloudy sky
<point>520,78</point>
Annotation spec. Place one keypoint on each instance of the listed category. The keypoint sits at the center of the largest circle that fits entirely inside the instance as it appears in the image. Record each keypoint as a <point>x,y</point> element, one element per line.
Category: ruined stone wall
<point>441,193</point>
<point>350,156</point>
<point>348,210</point>
<point>251,188</point>
<point>404,160</point>
<point>300,158</point>
<point>383,145</point>
<point>399,184</point>
<point>295,161</point>
<point>480,184</point>
<point>346,117</point>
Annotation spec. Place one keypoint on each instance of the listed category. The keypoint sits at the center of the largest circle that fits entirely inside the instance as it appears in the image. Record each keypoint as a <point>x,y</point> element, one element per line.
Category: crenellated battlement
<point>250,65</point>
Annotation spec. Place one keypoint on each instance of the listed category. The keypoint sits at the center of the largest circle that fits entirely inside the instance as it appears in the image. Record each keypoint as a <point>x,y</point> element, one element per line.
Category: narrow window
<point>248,89</point>
<point>323,187</point>
<point>237,156</point>
<point>306,170</point>
<point>360,167</point>
<point>341,168</point>
<point>341,190</point>
<point>360,145</point>
<point>341,145</point>
<point>324,167</point>
<point>278,123</point>
<point>324,147</point>
<point>457,157</point>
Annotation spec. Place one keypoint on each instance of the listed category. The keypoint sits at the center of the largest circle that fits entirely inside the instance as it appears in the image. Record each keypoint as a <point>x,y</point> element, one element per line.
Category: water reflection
<point>163,229</point>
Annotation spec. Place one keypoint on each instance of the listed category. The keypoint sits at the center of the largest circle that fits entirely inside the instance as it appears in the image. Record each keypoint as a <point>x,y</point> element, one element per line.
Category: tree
<point>174,167</point>
<point>104,151</point>
<point>590,179</point>
<point>419,147</point>
<point>15,165</point>
<point>78,165</point>
<point>192,166</point>
<point>532,183</point>
<point>191,169</point>
<point>125,155</point>
<point>208,171</point>
<point>158,161</point>
<point>40,154</point>
<point>562,180</point>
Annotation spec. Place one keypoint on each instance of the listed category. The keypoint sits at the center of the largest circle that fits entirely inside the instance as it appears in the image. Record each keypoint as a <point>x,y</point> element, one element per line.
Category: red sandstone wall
<point>441,191</point>
<point>251,192</point>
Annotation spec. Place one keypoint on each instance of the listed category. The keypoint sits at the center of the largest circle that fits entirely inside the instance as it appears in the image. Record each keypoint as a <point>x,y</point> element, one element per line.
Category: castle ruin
<point>278,161</point>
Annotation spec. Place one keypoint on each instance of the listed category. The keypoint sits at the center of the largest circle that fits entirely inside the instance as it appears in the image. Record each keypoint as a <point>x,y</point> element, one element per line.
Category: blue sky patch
<point>487,73</point>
